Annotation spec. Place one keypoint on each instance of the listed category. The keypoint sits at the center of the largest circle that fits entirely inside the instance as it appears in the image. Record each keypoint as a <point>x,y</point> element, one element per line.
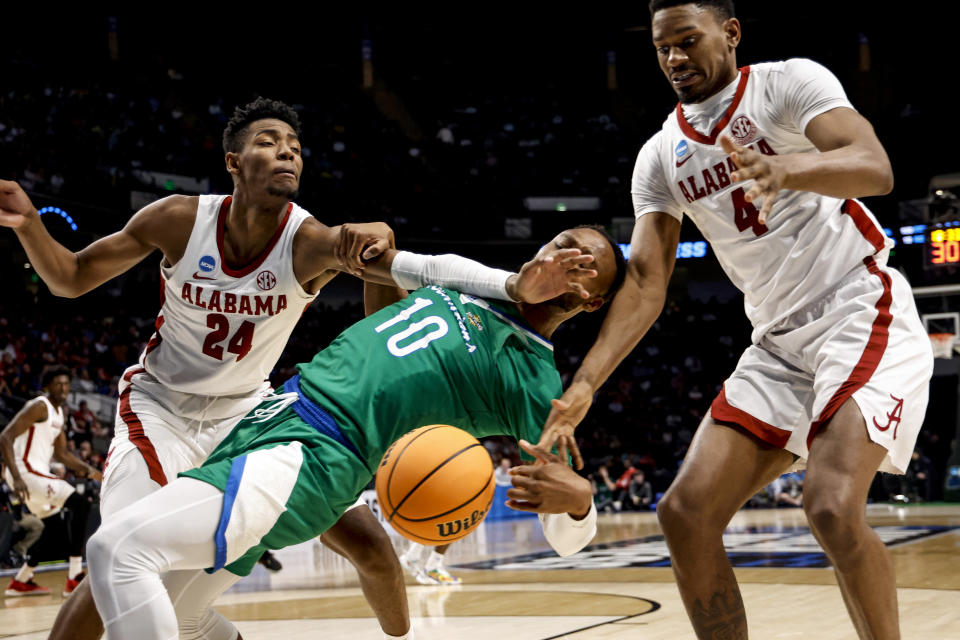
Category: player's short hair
<point>722,8</point>
<point>52,373</point>
<point>259,109</point>
<point>621,262</point>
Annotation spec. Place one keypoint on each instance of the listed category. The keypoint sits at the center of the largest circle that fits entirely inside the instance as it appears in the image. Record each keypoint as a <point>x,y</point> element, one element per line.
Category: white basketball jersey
<point>220,330</point>
<point>33,449</point>
<point>810,242</point>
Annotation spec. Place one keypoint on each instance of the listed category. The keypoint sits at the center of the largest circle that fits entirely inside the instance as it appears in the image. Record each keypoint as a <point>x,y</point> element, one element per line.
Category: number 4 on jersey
<point>745,215</point>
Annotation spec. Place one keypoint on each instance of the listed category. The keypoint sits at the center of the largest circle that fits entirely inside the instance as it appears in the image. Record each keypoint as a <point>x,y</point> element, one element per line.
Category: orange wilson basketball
<point>435,484</point>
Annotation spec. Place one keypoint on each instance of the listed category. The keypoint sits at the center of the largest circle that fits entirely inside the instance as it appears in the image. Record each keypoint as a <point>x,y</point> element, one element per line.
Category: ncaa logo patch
<point>266,280</point>
<point>743,130</point>
<point>207,264</point>
<point>682,148</point>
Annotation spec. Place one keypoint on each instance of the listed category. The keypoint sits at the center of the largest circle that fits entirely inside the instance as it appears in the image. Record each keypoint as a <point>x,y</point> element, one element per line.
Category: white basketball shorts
<point>863,341</point>
<point>160,432</point>
<point>47,492</point>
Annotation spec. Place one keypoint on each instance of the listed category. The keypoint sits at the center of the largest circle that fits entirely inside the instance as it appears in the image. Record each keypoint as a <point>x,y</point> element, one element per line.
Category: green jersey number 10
<point>437,329</point>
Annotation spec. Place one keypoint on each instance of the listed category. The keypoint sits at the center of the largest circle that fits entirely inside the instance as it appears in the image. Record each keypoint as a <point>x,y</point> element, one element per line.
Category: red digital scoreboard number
<point>943,247</point>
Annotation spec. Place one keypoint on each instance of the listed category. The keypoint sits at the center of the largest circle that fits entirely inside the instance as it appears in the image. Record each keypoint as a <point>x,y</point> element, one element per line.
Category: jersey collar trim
<point>248,268</point>
<point>503,316</point>
<point>695,135</point>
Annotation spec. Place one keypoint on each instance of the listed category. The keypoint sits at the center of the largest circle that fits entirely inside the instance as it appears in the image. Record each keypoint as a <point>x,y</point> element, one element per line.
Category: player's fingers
<point>538,452</point>
<point>575,453</point>
<point>522,493</point>
<point>577,259</point>
<point>565,254</point>
<point>376,249</point>
<point>765,209</point>
<point>755,193</point>
<point>522,506</point>
<point>560,404</point>
<point>579,289</point>
<point>728,145</point>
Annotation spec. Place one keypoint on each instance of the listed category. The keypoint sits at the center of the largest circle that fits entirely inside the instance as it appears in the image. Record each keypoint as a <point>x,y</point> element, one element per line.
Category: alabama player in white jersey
<point>237,273</point>
<point>28,443</point>
<point>767,160</point>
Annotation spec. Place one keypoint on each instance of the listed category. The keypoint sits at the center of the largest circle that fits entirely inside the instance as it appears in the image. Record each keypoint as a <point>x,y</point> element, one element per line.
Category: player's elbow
<point>885,180</point>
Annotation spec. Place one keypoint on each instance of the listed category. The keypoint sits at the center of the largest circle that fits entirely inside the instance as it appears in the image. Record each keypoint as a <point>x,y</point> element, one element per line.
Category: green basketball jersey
<point>436,357</point>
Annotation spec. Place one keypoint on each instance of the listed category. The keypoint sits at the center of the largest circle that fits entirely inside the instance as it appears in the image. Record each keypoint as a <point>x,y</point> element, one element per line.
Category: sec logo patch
<point>743,130</point>
<point>266,280</point>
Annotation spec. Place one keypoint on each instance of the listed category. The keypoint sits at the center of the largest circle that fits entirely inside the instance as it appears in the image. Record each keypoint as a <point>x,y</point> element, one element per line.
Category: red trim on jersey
<point>136,434</point>
<point>26,453</point>
<point>156,338</point>
<point>872,353</point>
<point>258,260</point>
<point>722,410</point>
<point>695,135</point>
<point>864,224</point>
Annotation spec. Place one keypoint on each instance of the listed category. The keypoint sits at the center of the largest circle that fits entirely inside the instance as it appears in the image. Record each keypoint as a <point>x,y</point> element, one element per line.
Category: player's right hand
<point>361,242</point>
<point>20,490</point>
<point>15,205</point>
<point>567,412</point>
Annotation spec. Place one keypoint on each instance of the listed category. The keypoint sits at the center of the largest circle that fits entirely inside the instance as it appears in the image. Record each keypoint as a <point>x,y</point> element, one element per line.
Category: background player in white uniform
<point>31,439</point>
<point>237,273</point>
<point>766,161</point>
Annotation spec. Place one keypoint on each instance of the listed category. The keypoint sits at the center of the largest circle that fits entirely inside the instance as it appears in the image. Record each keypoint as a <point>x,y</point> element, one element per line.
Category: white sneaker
<point>414,567</point>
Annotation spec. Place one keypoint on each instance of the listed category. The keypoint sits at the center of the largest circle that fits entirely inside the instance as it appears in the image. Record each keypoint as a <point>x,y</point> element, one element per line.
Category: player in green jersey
<point>293,465</point>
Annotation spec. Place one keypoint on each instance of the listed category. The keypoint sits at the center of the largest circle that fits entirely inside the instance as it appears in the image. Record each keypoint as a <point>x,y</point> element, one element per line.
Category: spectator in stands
<point>915,483</point>
<point>19,530</point>
<point>787,490</point>
<point>501,475</point>
<point>641,492</point>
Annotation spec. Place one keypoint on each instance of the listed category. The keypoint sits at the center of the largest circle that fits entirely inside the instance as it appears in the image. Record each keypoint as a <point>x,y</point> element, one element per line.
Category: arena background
<point>479,130</point>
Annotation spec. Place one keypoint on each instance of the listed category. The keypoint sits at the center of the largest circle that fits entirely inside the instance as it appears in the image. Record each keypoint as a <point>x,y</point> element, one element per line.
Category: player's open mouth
<point>684,79</point>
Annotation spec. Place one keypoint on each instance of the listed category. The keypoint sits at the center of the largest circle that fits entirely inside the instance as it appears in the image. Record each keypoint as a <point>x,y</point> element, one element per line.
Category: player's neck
<point>542,318</point>
<point>251,223</point>
<point>56,405</point>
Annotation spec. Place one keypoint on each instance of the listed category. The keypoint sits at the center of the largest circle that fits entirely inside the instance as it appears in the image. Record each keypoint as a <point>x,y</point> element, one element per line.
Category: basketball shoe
<point>440,575</point>
<point>413,564</point>
<point>28,588</point>
<point>73,583</point>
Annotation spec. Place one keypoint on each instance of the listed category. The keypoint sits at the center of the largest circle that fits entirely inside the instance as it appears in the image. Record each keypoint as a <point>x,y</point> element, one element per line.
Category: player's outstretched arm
<point>75,464</point>
<point>563,499</point>
<point>852,162</point>
<point>71,274</point>
<point>31,413</point>
<point>632,312</point>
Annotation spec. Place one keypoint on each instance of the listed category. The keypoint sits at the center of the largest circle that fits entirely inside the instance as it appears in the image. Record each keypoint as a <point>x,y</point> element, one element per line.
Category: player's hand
<point>15,207</point>
<point>360,243</point>
<point>95,474</point>
<point>549,486</point>
<point>551,275</point>
<point>567,412</point>
<point>767,172</point>
<point>20,489</point>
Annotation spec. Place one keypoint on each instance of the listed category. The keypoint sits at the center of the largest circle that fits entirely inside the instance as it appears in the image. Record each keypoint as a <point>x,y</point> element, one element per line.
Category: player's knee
<point>834,521</point>
<point>99,547</point>
<point>675,514</point>
<point>205,625</point>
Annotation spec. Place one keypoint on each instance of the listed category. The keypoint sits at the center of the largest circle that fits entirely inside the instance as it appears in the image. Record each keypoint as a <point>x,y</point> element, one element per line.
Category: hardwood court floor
<point>619,588</point>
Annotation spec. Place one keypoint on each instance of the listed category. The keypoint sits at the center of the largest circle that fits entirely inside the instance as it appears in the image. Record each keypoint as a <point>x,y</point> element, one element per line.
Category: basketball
<point>435,484</point>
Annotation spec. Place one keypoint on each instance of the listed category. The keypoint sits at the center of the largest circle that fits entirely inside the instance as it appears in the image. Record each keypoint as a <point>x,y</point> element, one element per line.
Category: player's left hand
<point>551,275</point>
<point>548,486</point>
<point>360,243</point>
<point>767,172</point>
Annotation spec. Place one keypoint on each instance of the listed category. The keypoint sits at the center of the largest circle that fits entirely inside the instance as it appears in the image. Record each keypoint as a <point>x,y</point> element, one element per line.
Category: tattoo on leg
<point>725,619</point>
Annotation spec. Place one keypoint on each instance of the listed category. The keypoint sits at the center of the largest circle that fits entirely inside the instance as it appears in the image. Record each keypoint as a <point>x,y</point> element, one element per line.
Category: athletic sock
<point>76,567</point>
<point>24,574</point>
<point>407,636</point>
<point>435,561</point>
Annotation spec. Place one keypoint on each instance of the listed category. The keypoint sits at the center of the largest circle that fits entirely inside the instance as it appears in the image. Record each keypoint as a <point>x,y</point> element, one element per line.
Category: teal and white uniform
<point>295,464</point>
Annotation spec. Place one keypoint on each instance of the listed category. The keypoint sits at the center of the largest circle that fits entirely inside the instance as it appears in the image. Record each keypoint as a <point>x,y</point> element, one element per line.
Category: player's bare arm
<point>163,225</point>
<point>321,252</point>
<point>72,462</point>
<point>546,276</point>
<point>633,310</point>
<point>31,413</point>
<point>851,164</point>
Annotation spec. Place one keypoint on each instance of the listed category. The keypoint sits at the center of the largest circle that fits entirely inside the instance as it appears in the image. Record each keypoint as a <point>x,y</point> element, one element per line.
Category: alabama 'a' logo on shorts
<point>892,418</point>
